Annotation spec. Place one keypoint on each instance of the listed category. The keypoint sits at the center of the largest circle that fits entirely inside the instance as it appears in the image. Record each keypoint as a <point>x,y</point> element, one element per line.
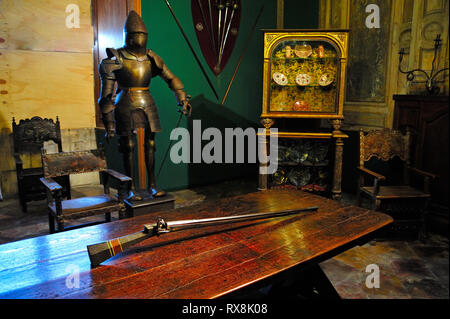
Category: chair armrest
<point>427,178</point>
<point>422,173</point>
<point>371,173</point>
<point>50,184</point>
<point>120,177</point>
<point>123,180</point>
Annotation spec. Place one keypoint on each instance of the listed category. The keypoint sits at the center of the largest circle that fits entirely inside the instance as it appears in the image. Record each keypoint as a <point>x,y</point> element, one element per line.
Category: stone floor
<point>407,268</point>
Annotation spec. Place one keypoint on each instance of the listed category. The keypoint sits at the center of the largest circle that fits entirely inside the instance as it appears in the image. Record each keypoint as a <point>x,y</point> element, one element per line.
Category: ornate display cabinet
<point>304,78</point>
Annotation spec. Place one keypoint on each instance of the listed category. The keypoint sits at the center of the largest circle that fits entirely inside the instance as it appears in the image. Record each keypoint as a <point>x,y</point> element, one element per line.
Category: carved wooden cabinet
<point>427,119</point>
<point>303,81</point>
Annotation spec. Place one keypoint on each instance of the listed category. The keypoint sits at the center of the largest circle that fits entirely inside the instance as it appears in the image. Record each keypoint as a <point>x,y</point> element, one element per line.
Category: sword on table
<point>100,252</point>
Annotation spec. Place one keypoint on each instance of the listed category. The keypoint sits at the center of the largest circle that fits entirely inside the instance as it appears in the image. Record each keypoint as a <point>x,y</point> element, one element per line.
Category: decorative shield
<point>216,24</point>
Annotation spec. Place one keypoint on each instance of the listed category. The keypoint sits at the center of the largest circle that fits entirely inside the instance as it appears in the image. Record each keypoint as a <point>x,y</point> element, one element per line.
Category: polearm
<point>211,37</point>
<point>242,55</point>
<point>100,252</point>
<point>192,49</point>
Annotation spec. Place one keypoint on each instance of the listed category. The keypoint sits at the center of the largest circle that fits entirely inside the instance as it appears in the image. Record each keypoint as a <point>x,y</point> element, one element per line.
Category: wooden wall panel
<point>48,84</point>
<point>41,25</point>
<point>46,69</point>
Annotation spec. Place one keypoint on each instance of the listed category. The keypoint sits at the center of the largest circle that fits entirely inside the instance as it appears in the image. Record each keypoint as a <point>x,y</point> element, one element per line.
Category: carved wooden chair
<point>66,163</point>
<point>404,200</point>
<point>28,139</point>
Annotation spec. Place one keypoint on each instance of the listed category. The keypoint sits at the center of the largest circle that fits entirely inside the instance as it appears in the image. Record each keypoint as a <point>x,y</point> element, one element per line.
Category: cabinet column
<point>339,149</point>
<point>263,152</point>
<point>263,149</point>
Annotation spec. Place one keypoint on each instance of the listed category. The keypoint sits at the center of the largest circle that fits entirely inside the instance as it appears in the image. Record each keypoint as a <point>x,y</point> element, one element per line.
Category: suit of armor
<point>132,67</point>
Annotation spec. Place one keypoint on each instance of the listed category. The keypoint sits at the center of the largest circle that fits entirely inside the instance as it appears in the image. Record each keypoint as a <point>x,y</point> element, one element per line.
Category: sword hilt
<point>182,110</point>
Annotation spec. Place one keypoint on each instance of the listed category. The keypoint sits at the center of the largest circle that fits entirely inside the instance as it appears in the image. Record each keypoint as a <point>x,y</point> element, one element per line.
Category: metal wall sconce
<point>430,82</point>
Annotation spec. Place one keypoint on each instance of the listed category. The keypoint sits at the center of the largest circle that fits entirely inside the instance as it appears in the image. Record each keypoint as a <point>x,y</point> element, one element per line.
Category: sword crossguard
<point>161,226</point>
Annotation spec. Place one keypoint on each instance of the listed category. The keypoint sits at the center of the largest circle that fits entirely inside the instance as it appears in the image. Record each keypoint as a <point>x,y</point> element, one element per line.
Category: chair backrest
<point>383,144</point>
<point>66,163</point>
<point>30,134</point>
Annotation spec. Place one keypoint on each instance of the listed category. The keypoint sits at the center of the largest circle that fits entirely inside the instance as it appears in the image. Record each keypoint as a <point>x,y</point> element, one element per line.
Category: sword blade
<point>224,24</point>
<point>196,223</point>
<point>224,43</point>
<point>218,26</point>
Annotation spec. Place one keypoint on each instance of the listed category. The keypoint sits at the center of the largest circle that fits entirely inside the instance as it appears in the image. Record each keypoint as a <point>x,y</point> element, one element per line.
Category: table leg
<point>321,284</point>
<point>309,283</point>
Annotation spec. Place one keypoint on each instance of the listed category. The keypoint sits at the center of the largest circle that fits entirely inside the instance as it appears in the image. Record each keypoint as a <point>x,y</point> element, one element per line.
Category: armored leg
<point>127,149</point>
<point>150,163</point>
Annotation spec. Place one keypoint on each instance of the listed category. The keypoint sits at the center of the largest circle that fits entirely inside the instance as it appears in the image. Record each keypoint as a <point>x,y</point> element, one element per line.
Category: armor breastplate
<point>133,73</point>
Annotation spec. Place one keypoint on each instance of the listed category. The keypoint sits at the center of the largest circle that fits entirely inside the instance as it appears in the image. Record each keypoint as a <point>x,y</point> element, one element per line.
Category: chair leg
<point>358,198</point>
<point>51,223</point>
<point>60,223</point>
<point>375,204</point>
<point>24,206</point>
<point>358,192</point>
<point>23,202</point>
<point>423,229</point>
<point>123,213</point>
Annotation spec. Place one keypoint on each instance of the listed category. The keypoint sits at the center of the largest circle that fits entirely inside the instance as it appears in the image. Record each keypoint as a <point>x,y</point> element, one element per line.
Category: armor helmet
<point>134,31</point>
<point>134,23</point>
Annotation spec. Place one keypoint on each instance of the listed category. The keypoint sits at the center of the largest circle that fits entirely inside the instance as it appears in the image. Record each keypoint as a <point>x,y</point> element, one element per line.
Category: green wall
<point>243,105</point>
<point>300,14</point>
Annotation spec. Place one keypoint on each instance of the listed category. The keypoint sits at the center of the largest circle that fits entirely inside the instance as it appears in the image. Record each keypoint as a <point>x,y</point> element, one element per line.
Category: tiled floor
<point>407,269</point>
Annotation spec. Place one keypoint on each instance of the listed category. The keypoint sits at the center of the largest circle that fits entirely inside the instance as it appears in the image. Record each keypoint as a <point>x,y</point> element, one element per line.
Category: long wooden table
<point>200,263</point>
